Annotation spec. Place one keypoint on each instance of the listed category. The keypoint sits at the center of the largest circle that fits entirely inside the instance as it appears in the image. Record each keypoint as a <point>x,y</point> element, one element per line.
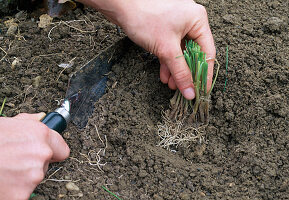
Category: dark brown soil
<point>247,142</point>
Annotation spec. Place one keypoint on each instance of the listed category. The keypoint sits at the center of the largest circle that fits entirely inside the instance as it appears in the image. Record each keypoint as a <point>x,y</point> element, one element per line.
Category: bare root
<point>175,133</point>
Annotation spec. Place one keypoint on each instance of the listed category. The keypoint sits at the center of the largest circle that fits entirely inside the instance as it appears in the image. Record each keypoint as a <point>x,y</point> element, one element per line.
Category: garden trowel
<point>85,87</point>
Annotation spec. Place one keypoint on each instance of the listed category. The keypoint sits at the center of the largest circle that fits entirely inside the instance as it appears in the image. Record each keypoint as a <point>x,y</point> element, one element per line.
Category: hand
<point>159,27</point>
<point>27,146</point>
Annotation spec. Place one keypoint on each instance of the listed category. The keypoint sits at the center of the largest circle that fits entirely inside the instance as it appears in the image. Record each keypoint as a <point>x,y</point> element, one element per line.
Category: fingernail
<point>41,115</point>
<point>189,93</point>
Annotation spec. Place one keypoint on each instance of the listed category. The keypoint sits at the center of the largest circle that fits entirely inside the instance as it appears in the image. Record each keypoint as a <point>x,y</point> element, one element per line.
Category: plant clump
<point>184,120</point>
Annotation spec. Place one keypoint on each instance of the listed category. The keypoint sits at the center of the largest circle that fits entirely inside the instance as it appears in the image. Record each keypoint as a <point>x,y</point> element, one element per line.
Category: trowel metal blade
<point>88,84</point>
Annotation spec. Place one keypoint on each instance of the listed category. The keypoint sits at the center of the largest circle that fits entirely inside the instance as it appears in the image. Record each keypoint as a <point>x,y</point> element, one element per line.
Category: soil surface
<point>246,148</point>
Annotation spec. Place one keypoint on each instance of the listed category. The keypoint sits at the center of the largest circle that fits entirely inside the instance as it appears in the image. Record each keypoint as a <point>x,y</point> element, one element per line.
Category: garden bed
<point>245,150</point>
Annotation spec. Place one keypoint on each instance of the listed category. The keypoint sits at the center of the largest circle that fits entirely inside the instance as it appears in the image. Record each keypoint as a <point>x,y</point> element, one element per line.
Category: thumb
<point>59,147</point>
<point>201,33</point>
<point>36,116</point>
<point>172,57</point>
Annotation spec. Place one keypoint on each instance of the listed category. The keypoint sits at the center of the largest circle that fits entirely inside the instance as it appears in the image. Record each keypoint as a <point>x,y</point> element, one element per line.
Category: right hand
<point>161,27</point>
<point>27,146</point>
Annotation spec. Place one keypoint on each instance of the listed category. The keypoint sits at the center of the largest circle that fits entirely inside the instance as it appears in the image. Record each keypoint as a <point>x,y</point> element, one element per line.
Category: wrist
<point>114,10</point>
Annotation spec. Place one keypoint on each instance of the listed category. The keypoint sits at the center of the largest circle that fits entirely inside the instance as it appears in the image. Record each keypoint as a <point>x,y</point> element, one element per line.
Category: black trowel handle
<point>55,121</point>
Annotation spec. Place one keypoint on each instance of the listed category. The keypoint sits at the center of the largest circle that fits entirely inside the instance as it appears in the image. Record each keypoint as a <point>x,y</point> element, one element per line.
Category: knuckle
<point>46,153</point>
<point>37,176</point>
<point>22,115</point>
<point>182,78</point>
<point>165,50</point>
<point>202,10</point>
<point>162,52</point>
<point>42,129</point>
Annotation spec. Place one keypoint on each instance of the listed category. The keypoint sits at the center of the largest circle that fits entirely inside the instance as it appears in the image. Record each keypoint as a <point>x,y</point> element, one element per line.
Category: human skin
<point>160,27</point>
<point>27,146</point>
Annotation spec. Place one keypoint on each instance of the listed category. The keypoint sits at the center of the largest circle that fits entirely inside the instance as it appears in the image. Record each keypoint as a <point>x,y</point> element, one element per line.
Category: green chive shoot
<point>197,109</point>
<point>111,193</point>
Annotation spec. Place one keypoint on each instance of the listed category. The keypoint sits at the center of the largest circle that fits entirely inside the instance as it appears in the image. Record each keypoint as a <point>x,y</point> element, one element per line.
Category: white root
<point>174,134</point>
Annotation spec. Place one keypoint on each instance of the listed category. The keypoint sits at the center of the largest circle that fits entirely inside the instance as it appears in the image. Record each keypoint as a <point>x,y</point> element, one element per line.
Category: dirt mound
<point>246,151</point>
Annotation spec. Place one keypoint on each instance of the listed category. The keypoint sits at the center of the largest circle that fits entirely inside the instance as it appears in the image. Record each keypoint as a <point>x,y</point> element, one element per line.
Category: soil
<point>246,148</point>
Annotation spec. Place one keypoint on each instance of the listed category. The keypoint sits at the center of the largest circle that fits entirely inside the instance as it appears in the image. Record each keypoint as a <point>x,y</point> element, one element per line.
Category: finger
<point>164,73</point>
<point>59,147</point>
<point>171,55</point>
<point>201,33</point>
<point>172,83</point>
<point>36,116</point>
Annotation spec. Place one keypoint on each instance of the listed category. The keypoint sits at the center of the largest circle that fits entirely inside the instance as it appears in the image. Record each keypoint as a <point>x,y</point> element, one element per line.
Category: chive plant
<point>197,109</point>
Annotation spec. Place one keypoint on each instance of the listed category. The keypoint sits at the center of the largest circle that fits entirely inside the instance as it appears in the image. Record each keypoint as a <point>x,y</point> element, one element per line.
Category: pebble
<point>275,24</point>
<point>20,15</point>
<point>16,62</point>
<point>185,196</point>
<point>143,173</point>
<point>202,194</point>
<point>157,197</point>
<point>70,186</point>
<point>12,29</point>
<point>80,194</point>
<point>11,105</point>
<point>231,184</point>
<point>229,18</point>
<point>44,21</point>
<point>36,81</point>
<point>190,185</point>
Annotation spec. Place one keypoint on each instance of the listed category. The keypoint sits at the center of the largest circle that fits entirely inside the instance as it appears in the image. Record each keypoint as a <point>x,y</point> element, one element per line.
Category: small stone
<point>142,173</point>
<point>11,105</point>
<point>45,20</point>
<point>36,81</point>
<point>185,196</point>
<point>190,185</point>
<point>275,25</point>
<point>70,186</point>
<point>16,63</point>
<point>12,29</point>
<point>66,135</point>
<point>80,194</point>
<point>231,184</point>
<point>157,197</point>
<point>228,18</point>
<point>202,194</point>
<point>20,15</point>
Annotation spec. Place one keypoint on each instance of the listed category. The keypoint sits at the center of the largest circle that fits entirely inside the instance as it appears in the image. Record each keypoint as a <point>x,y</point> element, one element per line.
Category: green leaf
<point>205,77</point>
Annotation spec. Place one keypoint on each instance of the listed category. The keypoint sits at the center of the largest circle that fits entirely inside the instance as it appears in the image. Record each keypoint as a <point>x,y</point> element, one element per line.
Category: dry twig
<point>67,23</point>
<point>4,55</point>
